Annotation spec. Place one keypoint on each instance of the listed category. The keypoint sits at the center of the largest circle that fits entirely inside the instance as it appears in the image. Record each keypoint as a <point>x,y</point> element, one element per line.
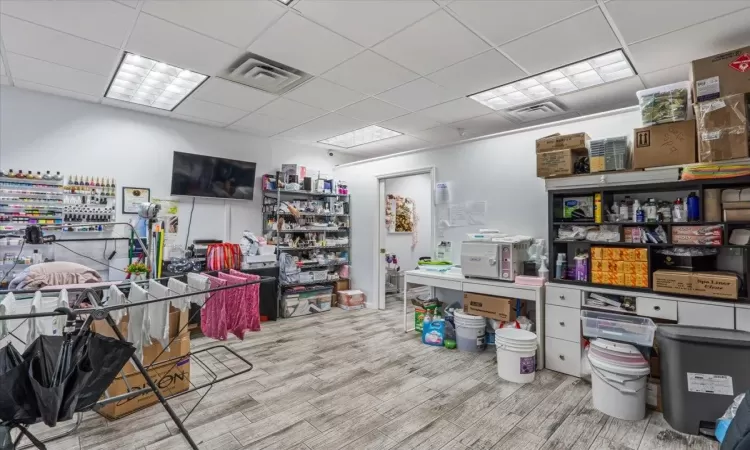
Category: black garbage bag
<point>108,356</point>
<point>17,400</point>
<point>57,376</point>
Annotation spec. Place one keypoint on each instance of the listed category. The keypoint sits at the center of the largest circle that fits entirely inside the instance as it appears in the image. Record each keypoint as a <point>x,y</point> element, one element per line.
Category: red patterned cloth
<point>238,321</point>
<point>223,256</point>
<point>251,302</point>
<point>214,314</point>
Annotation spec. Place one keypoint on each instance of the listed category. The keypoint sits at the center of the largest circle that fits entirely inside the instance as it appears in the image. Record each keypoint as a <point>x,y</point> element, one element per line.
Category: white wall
<point>419,188</point>
<point>500,170</point>
<point>45,132</point>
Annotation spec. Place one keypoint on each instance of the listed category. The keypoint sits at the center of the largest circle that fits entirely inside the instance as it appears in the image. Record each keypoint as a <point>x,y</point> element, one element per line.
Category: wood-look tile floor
<point>354,380</point>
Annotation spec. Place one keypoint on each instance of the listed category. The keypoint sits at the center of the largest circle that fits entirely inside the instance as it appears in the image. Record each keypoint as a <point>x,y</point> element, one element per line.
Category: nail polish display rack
<point>89,200</point>
<point>30,201</point>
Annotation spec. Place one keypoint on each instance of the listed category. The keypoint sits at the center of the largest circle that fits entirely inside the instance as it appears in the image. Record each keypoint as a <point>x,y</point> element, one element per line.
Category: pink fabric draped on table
<point>251,302</point>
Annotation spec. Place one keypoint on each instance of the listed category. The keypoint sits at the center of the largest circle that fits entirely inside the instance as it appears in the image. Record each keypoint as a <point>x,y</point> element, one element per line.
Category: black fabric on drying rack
<point>17,399</point>
<point>108,356</point>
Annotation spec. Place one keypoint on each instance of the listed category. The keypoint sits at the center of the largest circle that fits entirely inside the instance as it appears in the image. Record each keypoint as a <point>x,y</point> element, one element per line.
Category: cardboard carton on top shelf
<point>723,128</point>
<point>668,144</point>
<point>721,75</point>
<point>576,141</point>
<point>557,162</point>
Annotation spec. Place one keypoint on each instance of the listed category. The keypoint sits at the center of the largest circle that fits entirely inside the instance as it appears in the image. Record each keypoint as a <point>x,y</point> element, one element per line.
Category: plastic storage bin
<point>319,275</point>
<point>618,327</point>
<point>663,104</point>
<point>702,370</point>
<point>609,154</point>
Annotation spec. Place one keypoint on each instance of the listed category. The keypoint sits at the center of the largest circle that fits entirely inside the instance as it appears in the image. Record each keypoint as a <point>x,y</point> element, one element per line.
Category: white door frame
<point>379,272</point>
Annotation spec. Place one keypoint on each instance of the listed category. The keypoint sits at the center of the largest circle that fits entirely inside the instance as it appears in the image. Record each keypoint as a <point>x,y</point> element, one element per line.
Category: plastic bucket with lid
<point>516,354</point>
<point>619,374</point>
<point>469,332</point>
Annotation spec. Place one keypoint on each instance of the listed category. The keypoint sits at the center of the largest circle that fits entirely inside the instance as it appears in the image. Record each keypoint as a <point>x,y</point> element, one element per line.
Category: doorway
<point>405,230</point>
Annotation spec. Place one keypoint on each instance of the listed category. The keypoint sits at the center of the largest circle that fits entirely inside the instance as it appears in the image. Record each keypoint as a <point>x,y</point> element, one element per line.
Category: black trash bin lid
<point>704,335</point>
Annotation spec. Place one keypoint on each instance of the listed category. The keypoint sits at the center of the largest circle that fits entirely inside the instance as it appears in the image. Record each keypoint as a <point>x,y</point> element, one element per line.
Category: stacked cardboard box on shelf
<point>557,154</point>
<point>619,266</point>
<point>706,284</point>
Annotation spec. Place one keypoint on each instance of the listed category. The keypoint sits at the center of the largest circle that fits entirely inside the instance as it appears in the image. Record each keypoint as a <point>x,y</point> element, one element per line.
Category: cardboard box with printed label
<point>721,75</point>
<point>723,128</point>
<point>668,144</point>
<point>576,141</point>
<point>557,162</point>
<point>498,308</point>
<point>707,284</point>
<point>737,215</point>
<point>653,394</point>
<point>170,377</point>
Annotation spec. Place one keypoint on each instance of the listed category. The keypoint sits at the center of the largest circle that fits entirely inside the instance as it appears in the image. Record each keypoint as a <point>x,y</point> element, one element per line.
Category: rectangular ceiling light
<point>152,83</point>
<point>591,72</point>
<point>286,2</point>
<point>360,137</point>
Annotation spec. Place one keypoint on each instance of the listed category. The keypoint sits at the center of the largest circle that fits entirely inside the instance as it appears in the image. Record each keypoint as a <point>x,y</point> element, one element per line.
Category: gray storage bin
<point>702,370</point>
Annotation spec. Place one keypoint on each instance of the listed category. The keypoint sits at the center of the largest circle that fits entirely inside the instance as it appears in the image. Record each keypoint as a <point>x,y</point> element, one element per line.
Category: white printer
<point>494,255</point>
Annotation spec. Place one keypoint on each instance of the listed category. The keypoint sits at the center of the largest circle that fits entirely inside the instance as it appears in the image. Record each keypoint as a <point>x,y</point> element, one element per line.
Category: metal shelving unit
<point>272,209</point>
<point>29,201</point>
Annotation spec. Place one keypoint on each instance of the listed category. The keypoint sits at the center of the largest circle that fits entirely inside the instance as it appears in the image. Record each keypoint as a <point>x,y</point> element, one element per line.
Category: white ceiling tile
<point>443,134</point>
<point>105,22</point>
<point>666,76</point>
<point>55,75</point>
<point>372,110</point>
<point>485,71</point>
<point>199,120</point>
<point>304,45</point>
<point>323,128</point>
<point>580,37</point>
<point>128,3</point>
<point>2,67</point>
<point>483,125</point>
<point>366,22</point>
<point>370,73</point>
<point>502,21</point>
<point>680,47</point>
<point>231,21</point>
<point>135,107</point>
<point>263,125</point>
<point>232,94</point>
<point>39,42</point>
<point>158,39</point>
<point>618,94</point>
<point>418,94</point>
<point>410,123</point>
<point>324,94</point>
<point>4,80</point>
<point>456,110</point>
<point>432,44</point>
<point>209,111</point>
<point>642,20</point>
<point>388,146</point>
<point>291,111</point>
<point>53,90</point>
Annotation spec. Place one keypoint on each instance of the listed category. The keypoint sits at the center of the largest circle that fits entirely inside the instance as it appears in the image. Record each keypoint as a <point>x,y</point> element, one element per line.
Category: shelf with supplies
<point>305,214</point>
<point>321,266</point>
<point>318,230</point>
<point>308,283</point>
<point>310,193</point>
<point>29,181</point>
<point>15,203</point>
<point>321,247</point>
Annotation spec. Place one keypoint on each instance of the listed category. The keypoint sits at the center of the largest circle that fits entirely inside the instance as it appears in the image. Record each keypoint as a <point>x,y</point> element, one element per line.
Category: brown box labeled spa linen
<point>721,75</point>
<point>672,281</point>
<point>722,128</point>
<point>556,141</point>
<point>715,284</point>
<point>668,144</point>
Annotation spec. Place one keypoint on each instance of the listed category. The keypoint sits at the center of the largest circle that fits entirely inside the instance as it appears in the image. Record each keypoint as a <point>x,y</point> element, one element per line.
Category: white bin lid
<point>514,334</point>
<point>618,358</point>
<point>462,315</point>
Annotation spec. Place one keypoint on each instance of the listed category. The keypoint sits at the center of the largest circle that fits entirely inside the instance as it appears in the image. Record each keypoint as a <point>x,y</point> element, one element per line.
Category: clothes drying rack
<point>88,307</point>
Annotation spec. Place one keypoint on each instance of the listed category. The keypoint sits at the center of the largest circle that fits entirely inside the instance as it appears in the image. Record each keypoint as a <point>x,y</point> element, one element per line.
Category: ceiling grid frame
<point>121,52</point>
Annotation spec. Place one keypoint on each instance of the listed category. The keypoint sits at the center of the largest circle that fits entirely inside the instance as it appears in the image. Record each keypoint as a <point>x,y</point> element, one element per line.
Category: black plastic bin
<point>702,370</point>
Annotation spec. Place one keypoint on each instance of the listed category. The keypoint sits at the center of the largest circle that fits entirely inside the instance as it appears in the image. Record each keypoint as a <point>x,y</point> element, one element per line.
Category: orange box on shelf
<point>640,268</point>
<point>641,254</point>
<point>629,268</point>
<point>612,254</point>
<point>597,265</point>
<point>641,280</point>
<point>596,276</point>
<point>630,280</point>
<point>629,254</point>
<point>597,253</point>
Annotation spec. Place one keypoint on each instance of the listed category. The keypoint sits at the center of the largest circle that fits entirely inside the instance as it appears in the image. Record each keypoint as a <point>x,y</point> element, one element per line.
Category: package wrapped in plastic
<point>604,233</point>
<point>722,128</point>
<point>663,104</point>
<point>722,424</point>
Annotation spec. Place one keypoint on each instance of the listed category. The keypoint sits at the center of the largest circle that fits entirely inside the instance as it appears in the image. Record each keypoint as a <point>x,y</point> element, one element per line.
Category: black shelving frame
<point>555,220</point>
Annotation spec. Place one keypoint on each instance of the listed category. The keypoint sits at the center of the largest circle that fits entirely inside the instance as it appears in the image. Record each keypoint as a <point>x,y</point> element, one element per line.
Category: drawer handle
<point>562,297</point>
<point>562,324</point>
<point>562,357</point>
<point>657,308</point>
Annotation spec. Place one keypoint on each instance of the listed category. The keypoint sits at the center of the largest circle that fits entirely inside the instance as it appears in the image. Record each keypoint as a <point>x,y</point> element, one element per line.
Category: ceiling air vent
<point>530,113</point>
<point>262,73</point>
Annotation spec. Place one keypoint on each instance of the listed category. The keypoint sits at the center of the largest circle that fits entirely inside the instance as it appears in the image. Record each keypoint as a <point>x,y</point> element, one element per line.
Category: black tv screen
<point>208,176</point>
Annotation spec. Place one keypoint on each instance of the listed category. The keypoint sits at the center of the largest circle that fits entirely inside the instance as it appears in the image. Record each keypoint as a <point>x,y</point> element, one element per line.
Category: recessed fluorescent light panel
<point>152,83</point>
<point>286,2</point>
<point>591,72</point>
<point>362,136</point>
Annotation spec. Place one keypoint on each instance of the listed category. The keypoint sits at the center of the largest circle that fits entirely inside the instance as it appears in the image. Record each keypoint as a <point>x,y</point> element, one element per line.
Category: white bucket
<point>516,354</point>
<point>618,376</point>
<point>469,332</point>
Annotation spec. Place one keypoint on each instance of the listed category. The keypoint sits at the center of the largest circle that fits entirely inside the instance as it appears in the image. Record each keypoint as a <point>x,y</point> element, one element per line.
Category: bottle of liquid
<point>623,213</point>
<point>693,208</point>
<point>10,174</point>
<point>636,207</point>
<point>58,176</point>
<point>543,270</point>
<point>598,207</point>
<point>561,266</point>
<point>29,175</point>
<point>582,267</point>
<point>678,211</point>
<point>19,174</point>
<point>47,176</point>
<point>640,216</point>
<point>650,210</point>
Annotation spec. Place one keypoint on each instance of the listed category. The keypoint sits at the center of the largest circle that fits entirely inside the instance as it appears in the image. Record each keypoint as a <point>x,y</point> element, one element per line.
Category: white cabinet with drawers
<point>743,319</point>
<point>564,356</point>
<point>563,323</point>
<point>705,315</point>
<point>656,308</point>
<point>561,296</point>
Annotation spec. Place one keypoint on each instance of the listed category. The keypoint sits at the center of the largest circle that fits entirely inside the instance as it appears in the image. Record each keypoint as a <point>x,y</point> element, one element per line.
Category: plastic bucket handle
<point>609,380</point>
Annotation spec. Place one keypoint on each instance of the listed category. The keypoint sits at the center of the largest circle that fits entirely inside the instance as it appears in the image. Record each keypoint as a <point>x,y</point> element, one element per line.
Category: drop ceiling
<point>405,65</point>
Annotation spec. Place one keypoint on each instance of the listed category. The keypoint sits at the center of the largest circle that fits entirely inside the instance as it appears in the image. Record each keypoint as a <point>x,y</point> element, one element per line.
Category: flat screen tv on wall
<point>208,176</point>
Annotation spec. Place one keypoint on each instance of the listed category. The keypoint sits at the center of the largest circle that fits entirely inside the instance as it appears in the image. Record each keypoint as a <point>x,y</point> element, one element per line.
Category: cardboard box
<point>668,144</point>
<point>341,285</point>
<point>721,75</point>
<point>654,363</point>
<point>556,141</point>
<point>737,215</point>
<point>732,205</point>
<point>171,378</point>
<point>557,162</point>
<point>715,284</point>
<point>498,308</point>
<point>708,284</point>
<point>653,394</point>
<point>722,128</point>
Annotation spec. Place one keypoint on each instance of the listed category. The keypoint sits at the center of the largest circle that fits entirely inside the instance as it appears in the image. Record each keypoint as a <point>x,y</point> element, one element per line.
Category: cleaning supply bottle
<point>678,211</point>
<point>543,270</point>
<point>693,207</point>
<point>623,213</point>
<point>561,266</point>
<point>636,207</point>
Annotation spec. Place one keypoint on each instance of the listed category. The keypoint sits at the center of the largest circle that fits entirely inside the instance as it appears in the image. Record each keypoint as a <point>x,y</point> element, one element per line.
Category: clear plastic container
<point>663,104</point>
<point>618,327</point>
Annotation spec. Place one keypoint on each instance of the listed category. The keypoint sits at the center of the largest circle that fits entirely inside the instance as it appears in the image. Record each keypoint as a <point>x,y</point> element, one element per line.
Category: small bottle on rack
<point>10,174</point>
<point>47,176</point>
<point>29,175</point>
<point>38,175</point>
<point>58,176</point>
<point>19,174</point>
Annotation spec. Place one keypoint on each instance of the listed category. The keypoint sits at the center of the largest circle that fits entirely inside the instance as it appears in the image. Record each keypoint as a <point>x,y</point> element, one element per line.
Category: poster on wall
<point>132,197</point>
<point>168,214</point>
